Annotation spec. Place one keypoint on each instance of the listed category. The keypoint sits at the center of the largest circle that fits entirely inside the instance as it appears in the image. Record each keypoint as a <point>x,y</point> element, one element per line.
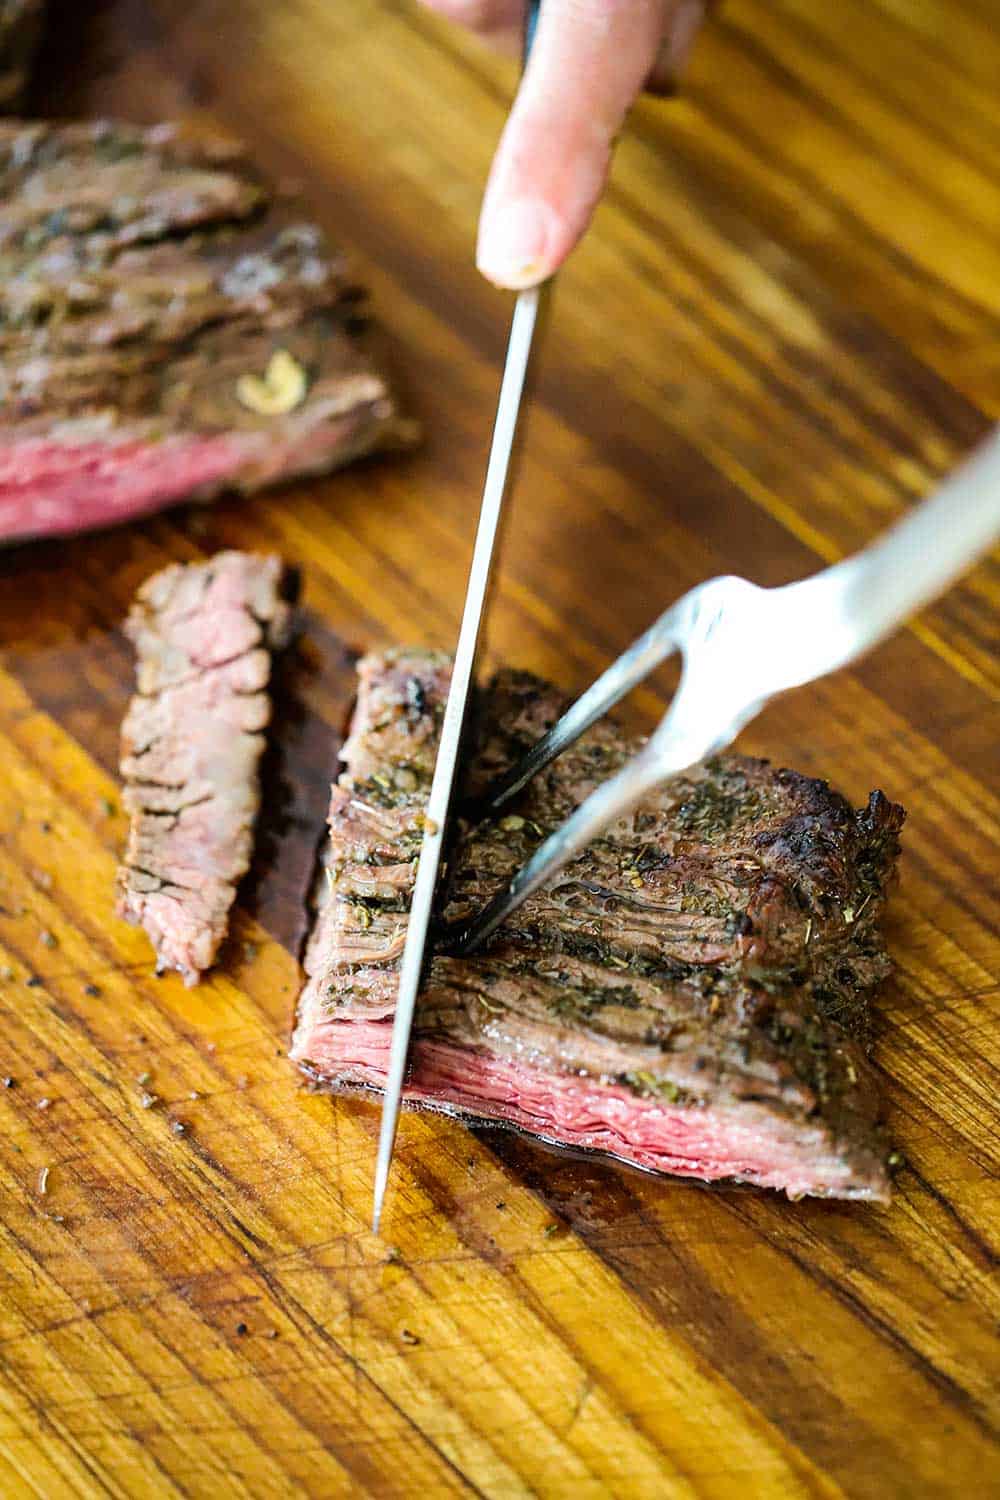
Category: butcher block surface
<point>784,328</point>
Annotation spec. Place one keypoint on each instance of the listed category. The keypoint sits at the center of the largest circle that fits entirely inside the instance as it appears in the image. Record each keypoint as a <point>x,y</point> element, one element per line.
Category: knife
<point>527,316</point>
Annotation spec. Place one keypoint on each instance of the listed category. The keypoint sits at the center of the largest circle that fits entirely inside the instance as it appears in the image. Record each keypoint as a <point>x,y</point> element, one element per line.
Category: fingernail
<point>687,20</point>
<point>513,240</point>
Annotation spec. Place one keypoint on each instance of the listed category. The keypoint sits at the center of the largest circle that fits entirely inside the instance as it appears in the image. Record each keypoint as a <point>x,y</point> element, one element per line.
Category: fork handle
<point>914,562</point>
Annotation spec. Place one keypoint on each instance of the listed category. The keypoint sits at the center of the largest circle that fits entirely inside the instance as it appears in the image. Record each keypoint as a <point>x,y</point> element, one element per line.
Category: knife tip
<point>378,1197</point>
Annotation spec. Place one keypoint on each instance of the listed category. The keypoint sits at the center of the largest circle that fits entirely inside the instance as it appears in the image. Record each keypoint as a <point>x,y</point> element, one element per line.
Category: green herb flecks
<point>712,809</point>
<point>650,1086</point>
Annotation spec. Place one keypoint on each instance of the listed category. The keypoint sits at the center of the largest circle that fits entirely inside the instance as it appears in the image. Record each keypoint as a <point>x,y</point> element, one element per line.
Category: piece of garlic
<point>278,391</point>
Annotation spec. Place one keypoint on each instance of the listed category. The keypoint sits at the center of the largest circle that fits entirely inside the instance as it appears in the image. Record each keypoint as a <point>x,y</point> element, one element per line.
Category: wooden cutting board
<point>783,329</point>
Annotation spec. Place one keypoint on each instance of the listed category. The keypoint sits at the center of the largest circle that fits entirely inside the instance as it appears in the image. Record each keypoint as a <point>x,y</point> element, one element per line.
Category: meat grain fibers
<point>191,747</point>
<point>165,332</point>
<point>690,995</point>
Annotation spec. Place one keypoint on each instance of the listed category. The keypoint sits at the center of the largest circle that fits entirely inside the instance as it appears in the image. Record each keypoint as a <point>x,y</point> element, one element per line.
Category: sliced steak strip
<point>191,746</point>
<point>165,332</point>
<point>690,995</point>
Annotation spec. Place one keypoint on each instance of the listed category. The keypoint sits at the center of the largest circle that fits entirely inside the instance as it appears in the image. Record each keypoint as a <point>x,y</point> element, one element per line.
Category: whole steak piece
<point>191,747</point>
<point>20,31</point>
<point>163,335</point>
<point>690,995</point>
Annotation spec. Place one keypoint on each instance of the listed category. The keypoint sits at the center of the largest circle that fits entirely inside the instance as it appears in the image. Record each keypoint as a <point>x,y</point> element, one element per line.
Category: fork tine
<point>609,801</point>
<point>660,641</point>
<point>677,744</point>
<point>680,739</point>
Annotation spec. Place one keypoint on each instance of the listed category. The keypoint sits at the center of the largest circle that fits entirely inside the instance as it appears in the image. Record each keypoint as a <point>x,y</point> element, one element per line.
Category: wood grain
<point>783,328</point>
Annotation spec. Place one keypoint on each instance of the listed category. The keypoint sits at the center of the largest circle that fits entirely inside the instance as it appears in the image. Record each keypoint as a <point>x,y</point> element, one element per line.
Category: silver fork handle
<point>861,600</point>
<point>819,623</point>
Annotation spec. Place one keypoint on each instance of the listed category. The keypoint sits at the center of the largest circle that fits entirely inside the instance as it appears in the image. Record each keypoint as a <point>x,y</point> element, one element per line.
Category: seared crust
<point>717,947</point>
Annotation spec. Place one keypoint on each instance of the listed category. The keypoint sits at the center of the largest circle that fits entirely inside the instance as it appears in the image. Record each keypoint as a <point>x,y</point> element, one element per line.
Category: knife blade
<point>527,315</point>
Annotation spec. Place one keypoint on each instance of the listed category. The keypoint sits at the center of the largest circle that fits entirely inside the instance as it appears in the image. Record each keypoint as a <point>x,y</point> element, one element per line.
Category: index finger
<point>589,62</point>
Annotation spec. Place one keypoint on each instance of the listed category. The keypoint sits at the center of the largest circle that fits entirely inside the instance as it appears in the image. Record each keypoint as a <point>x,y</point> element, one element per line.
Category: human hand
<point>589,62</point>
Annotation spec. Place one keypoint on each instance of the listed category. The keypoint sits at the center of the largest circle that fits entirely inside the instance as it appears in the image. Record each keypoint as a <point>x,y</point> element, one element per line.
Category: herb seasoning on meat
<point>687,995</point>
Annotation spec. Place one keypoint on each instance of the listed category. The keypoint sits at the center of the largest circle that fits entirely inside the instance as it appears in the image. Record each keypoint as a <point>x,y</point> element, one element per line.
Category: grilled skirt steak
<point>690,995</point>
<point>20,32</point>
<point>162,336</point>
<point>191,745</point>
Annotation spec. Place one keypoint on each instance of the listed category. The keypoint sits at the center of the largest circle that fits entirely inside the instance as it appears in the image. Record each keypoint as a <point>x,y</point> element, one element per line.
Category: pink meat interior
<point>714,1144</point>
<point>49,488</point>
